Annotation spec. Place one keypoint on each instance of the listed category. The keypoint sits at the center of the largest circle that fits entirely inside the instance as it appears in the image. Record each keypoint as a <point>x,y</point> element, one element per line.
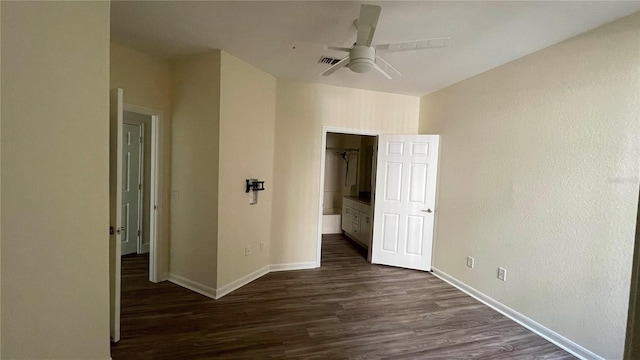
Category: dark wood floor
<point>347,309</point>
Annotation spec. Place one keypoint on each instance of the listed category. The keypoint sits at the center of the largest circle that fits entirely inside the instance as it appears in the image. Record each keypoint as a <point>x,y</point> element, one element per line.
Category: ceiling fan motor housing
<point>361,58</point>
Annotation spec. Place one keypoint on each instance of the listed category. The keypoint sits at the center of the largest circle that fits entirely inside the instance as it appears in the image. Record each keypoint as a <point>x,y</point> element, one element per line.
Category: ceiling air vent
<point>328,60</point>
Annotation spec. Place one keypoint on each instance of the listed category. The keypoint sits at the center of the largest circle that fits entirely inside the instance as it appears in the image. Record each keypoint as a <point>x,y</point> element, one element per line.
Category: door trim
<point>325,130</point>
<point>158,249</point>
<point>115,208</point>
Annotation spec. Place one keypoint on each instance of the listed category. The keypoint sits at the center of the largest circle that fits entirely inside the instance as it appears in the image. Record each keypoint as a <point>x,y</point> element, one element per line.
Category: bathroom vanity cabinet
<point>357,219</point>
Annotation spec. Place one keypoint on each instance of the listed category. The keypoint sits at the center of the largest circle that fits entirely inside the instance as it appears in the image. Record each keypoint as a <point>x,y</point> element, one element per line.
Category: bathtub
<point>331,221</point>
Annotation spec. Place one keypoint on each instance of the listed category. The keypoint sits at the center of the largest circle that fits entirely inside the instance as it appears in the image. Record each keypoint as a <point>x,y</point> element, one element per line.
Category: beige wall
<point>539,174</point>
<point>302,109</point>
<point>55,173</point>
<point>195,102</point>
<point>247,122</point>
<point>146,82</point>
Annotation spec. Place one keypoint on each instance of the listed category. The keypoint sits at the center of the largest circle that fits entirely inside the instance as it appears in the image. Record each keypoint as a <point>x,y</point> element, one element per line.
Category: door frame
<point>157,250</point>
<point>323,151</point>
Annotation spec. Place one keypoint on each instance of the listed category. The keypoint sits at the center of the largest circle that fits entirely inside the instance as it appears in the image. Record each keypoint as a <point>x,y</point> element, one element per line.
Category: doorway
<point>347,183</point>
<point>149,123</point>
<point>397,229</point>
<point>158,248</point>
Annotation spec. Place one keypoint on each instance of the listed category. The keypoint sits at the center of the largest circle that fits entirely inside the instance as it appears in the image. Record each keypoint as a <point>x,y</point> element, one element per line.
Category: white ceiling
<point>286,38</point>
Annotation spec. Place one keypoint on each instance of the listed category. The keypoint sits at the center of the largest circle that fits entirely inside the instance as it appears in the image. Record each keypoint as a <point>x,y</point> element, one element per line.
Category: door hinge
<point>139,186</point>
<point>111,230</point>
<point>138,233</point>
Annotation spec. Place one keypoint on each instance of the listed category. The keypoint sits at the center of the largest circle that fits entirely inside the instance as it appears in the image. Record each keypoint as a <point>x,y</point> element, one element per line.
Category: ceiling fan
<point>363,56</point>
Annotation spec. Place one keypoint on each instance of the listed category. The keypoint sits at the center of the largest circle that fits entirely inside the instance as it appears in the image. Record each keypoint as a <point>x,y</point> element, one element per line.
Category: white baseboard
<point>528,323</point>
<point>162,277</point>
<point>224,290</point>
<point>193,286</point>
<point>293,266</point>
<point>228,288</point>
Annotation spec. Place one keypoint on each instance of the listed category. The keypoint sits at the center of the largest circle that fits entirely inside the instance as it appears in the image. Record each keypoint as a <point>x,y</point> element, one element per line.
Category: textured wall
<point>302,110</point>
<point>55,180</point>
<point>247,124</point>
<point>146,82</point>
<point>195,91</point>
<point>539,174</point>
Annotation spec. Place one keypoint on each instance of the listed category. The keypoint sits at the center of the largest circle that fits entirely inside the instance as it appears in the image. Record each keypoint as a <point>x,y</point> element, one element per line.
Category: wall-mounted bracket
<point>254,185</point>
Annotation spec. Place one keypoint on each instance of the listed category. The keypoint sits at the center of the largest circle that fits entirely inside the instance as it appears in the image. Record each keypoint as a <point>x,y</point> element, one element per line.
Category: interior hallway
<point>347,309</point>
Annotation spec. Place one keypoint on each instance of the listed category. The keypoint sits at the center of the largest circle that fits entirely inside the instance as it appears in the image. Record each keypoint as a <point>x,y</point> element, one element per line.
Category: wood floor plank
<point>347,309</point>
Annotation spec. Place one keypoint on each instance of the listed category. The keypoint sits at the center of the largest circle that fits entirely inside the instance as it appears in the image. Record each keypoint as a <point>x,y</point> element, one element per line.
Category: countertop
<point>364,198</point>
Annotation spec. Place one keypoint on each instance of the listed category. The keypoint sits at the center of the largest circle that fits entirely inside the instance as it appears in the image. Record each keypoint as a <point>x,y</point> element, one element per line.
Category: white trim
<point>293,266</point>
<point>157,272</point>
<point>528,323</point>
<point>325,130</point>
<point>234,285</point>
<point>192,285</point>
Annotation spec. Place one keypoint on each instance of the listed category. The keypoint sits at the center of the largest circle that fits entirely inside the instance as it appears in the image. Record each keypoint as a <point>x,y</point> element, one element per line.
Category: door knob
<point>119,230</point>
<point>428,211</point>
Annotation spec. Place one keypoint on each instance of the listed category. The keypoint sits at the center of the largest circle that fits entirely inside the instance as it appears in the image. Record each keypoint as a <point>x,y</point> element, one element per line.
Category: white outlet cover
<point>502,274</point>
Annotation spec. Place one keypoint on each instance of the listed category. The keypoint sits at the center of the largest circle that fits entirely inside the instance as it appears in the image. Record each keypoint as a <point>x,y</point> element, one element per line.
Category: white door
<point>131,187</point>
<point>404,200</point>
<point>115,216</point>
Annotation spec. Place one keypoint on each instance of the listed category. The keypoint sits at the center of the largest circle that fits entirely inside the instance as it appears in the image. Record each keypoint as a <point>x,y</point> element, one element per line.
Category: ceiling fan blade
<point>334,67</point>
<point>384,65</point>
<point>367,23</point>
<point>337,48</point>
<point>414,45</point>
<point>375,66</point>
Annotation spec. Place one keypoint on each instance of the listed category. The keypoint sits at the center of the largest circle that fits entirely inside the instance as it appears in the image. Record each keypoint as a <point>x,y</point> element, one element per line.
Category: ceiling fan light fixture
<point>361,66</point>
<point>361,58</point>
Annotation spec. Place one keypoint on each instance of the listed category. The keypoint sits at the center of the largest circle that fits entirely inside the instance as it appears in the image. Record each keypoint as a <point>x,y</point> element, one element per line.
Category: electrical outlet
<point>502,274</point>
<point>247,251</point>
<point>261,246</point>
<point>470,261</point>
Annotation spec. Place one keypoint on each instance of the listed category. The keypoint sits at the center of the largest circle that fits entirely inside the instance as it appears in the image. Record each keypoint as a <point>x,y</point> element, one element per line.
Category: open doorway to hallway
<point>136,172</point>
<point>142,184</point>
